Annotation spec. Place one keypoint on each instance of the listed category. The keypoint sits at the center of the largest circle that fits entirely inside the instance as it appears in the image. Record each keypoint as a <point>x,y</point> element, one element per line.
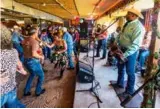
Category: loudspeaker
<point>84,73</point>
<point>84,29</point>
<point>83,45</point>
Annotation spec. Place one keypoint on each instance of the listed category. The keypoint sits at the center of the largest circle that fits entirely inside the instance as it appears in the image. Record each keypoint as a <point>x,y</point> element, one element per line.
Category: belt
<point>29,58</point>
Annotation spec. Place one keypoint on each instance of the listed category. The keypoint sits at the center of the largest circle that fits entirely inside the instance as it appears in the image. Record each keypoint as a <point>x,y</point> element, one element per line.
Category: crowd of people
<point>29,47</point>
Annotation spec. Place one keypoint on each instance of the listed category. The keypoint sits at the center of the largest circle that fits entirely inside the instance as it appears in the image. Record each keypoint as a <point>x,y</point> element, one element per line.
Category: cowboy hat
<point>64,29</point>
<point>136,12</point>
<point>16,27</point>
<point>105,24</point>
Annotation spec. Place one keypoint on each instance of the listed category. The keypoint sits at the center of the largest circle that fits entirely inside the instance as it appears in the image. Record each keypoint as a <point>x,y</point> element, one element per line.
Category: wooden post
<point>148,101</point>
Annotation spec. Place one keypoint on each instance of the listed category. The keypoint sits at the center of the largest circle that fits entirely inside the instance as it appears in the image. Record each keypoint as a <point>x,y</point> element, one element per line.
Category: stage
<point>107,93</point>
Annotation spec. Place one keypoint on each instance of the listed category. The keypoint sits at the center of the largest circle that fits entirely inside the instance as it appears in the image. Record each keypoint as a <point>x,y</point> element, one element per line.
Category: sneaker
<point>27,94</point>
<point>42,91</point>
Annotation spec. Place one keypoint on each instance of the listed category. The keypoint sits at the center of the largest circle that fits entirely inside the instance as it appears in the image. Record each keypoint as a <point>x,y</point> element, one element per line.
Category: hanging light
<point>43,4</point>
<point>62,5</point>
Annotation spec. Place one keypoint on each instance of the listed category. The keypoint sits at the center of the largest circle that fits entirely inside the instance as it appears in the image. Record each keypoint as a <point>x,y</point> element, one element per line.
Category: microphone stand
<point>93,88</point>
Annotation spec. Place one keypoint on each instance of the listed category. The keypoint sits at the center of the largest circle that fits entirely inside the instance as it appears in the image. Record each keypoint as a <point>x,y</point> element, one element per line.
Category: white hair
<point>64,29</point>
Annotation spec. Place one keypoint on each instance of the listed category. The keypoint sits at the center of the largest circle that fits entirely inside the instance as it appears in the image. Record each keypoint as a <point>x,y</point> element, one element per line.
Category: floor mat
<point>135,102</point>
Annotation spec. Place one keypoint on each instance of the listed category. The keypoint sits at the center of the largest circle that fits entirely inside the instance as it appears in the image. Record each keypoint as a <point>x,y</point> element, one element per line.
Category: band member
<point>32,60</point>
<point>111,60</point>
<point>144,52</point>
<point>101,36</point>
<point>129,42</point>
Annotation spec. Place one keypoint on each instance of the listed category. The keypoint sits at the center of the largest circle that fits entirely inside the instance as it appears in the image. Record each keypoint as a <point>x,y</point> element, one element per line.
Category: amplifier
<point>83,45</point>
<point>84,73</point>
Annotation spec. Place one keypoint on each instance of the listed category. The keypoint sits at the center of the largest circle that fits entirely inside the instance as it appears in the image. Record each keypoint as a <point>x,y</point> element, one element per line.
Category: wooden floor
<point>59,93</point>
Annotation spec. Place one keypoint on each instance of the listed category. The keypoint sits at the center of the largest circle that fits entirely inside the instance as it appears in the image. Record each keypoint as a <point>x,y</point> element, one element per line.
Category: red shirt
<point>76,37</point>
<point>103,35</point>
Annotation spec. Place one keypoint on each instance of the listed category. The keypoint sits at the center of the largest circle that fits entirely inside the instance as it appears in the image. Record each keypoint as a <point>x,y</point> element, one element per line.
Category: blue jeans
<point>70,61</point>
<point>19,48</point>
<point>75,48</point>
<point>10,100</point>
<point>34,67</point>
<point>102,44</point>
<point>129,67</point>
<point>143,54</point>
<point>46,52</point>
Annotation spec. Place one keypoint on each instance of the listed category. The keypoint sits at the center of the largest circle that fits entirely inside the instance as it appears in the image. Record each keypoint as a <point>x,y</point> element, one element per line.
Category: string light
<point>43,4</point>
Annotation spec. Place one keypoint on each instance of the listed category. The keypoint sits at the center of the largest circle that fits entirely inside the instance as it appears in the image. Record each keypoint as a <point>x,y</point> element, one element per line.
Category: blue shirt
<point>17,38</point>
<point>45,38</point>
<point>69,40</point>
<point>132,37</point>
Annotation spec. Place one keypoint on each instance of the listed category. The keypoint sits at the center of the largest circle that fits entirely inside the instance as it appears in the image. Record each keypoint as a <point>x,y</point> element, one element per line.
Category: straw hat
<point>64,29</point>
<point>136,12</point>
<point>105,24</point>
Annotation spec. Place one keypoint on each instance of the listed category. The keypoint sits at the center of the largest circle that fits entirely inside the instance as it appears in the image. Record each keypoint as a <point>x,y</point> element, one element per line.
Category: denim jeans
<point>102,44</point>
<point>143,54</point>
<point>46,52</point>
<point>129,67</point>
<point>19,48</point>
<point>70,61</point>
<point>10,100</point>
<point>34,67</point>
<point>75,48</point>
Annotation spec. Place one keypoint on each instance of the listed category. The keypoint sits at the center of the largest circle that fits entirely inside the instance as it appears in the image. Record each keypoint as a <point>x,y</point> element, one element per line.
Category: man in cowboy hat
<point>129,42</point>
<point>17,38</point>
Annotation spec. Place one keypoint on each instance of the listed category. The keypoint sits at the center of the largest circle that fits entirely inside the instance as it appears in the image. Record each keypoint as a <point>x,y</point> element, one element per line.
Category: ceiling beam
<point>61,5</point>
<point>39,9</point>
<point>96,6</point>
<point>38,3</point>
<point>43,11</point>
<point>116,3</point>
<point>76,7</point>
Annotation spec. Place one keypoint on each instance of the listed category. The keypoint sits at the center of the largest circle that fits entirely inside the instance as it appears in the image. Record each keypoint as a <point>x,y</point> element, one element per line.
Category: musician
<point>129,43</point>
<point>111,59</point>
<point>101,36</point>
<point>144,52</point>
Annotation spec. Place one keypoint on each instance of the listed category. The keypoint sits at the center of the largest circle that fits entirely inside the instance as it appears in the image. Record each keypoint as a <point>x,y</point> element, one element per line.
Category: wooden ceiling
<point>69,9</point>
